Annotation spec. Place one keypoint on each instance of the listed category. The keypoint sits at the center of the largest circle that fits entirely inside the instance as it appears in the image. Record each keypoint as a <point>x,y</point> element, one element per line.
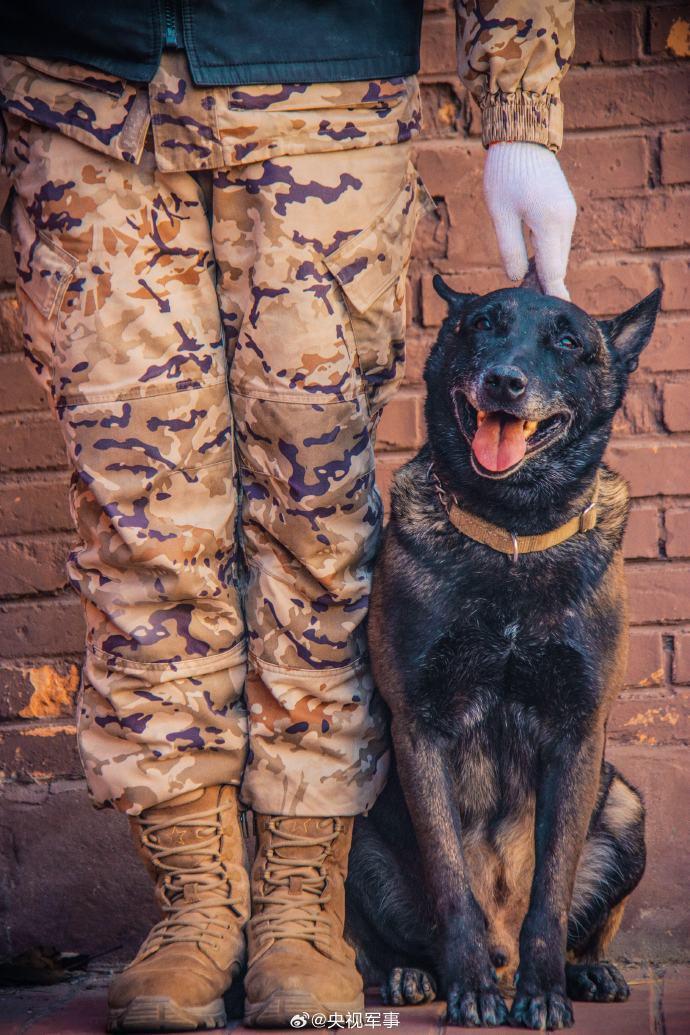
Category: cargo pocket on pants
<point>371,270</point>
<point>44,272</point>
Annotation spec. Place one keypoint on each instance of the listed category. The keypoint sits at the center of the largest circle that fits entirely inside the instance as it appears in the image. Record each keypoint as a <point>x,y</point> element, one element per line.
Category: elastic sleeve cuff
<point>535,118</point>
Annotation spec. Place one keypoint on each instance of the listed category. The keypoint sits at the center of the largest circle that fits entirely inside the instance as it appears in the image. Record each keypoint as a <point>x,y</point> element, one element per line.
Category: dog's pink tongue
<point>499,442</point>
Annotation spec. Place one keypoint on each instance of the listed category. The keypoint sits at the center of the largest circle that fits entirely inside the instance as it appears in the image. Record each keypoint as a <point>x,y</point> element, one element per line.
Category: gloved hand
<point>524,182</point>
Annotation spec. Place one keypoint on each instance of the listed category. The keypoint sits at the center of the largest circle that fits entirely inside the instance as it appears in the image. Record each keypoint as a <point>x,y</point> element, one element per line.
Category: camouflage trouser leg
<point>117,274</point>
<point>312,254</point>
<point>116,281</point>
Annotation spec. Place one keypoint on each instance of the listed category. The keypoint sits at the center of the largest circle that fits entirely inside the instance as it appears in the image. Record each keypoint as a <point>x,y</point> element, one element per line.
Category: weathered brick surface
<point>659,592</point>
<point>10,325</point>
<point>36,505</point>
<point>613,98</point>
<point>678,532</point>
<point>677,406</point>
<point>45,628</point>
<point>19,389</point>
<point>675,280</point>
<point>675,158</point>
<point>642,533</point>
<point>646,658</point>
<point>627,156</point>
<point>37,751</point>
<point>30,443</point>
<point>668,29</point>
<point>681,658</point>
<point>39,690</point>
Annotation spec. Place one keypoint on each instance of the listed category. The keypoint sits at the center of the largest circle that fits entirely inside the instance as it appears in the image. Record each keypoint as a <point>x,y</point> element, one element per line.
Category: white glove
<point>524,182</point>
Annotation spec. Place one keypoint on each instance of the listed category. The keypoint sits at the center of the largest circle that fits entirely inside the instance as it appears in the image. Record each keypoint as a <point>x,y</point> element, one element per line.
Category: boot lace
<point>193,893</point>
<point>286,915</point>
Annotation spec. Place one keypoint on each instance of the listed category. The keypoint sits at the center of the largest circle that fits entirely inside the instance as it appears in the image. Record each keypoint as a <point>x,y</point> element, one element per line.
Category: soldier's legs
<point>312,254</point>
<point>116,282</point>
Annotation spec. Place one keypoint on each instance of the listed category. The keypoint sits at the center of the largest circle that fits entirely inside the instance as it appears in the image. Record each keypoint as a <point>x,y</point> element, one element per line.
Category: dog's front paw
<point>408,986</point>
<point>476,1009</point>
<point>548,1012</point>
<point>596,982</point>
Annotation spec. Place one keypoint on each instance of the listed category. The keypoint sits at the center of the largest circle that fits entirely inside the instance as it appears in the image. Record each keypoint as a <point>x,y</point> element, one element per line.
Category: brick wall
<point>627,155</point>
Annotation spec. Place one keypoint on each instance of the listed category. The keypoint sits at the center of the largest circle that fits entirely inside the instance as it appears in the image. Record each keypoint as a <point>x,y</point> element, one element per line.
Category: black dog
<point>503,837</point>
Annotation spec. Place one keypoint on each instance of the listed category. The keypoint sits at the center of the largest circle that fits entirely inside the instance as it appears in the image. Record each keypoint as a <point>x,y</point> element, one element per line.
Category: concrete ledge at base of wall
<point>69,876</point>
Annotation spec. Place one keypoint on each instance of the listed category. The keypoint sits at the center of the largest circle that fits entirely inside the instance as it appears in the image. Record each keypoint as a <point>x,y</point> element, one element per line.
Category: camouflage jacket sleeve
<point>512,55</point>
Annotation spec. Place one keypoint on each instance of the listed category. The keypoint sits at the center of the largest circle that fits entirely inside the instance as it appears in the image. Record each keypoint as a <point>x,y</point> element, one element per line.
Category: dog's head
<point>521,384</point>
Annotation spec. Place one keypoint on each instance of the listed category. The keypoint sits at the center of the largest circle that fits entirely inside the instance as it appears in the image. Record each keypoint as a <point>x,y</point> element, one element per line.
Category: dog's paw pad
<point>476,1009</point>
<point>408,986</point>
<point>549,1012</point>
<point>596,983</point>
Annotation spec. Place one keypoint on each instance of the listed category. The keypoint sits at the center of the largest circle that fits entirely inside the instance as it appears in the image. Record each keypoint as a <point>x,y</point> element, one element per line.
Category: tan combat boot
<point>193,847</point>
<point>299,961</point>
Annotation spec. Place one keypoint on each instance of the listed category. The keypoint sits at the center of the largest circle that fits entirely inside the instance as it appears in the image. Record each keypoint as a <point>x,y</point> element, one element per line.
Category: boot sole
<point>159,1013</point>
<point>282,1007</point>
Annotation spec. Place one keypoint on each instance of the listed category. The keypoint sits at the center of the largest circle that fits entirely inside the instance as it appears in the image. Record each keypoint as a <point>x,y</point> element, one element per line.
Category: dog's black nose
<point>504,384</point>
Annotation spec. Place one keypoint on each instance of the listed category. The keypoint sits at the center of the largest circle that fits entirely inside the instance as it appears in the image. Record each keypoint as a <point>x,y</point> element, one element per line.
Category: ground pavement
<point>659,1005</point>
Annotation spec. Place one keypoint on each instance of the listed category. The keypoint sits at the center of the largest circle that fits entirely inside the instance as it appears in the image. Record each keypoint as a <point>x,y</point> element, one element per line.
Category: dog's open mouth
<point>501,441</point>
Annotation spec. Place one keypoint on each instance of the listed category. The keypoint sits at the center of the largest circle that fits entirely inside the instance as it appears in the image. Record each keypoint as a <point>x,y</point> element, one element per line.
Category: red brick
<point>642,533</point>
<point>438,46</point>
<point>652,467</point>
<point>609,286</point>
<point>386,466</point>
<point>645,658</point>
<point>656,915</point>
<point>7,267</point>
<point>446,109</point>
<point>677,406</point>
<point>654,721</point>
<point>605,35</point>
<point>640,411</point>
<point>596,166</point>
<point>32,566</point>
<point>675,157</point>
<point>11,338</point>
<point>39,752</point>
<point>34,506</point>
<point>27,443</point>
<point>608,224</point>
<point>668,349</point>
<point>603,98</point>
<point>417,347</point>
<point>41,691</point>
<point>659,592</point>
<point>675,279</point>
<point>431,238</point>
<point>676,1004</point>
<point>19,389</point>
<point>681,656</point>
<point>45,628</point>
<point>470,223</point>
<point>678,532</point>
<point>667,220</point>
<point>668,29</point>
<point>402,424</point>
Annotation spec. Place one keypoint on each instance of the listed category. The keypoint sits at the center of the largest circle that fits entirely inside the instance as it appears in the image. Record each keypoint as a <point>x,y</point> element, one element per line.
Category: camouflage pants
<point>217,347</point>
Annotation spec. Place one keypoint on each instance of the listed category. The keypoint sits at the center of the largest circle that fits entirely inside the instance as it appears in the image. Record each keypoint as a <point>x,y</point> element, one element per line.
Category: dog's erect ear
<point>631,331</point>
<point>455,299</point>
<point>531,279</point>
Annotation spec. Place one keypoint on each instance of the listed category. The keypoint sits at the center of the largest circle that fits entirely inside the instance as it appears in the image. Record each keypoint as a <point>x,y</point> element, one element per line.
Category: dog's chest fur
<point>506,653</point>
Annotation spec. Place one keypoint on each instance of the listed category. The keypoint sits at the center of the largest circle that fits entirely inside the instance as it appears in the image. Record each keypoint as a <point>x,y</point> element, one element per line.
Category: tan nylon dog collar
<point>501,539</point>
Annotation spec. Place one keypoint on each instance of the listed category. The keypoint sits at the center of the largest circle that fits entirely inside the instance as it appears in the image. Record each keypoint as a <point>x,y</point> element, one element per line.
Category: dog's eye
<point>482,323</point>
<point>568,342</point>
